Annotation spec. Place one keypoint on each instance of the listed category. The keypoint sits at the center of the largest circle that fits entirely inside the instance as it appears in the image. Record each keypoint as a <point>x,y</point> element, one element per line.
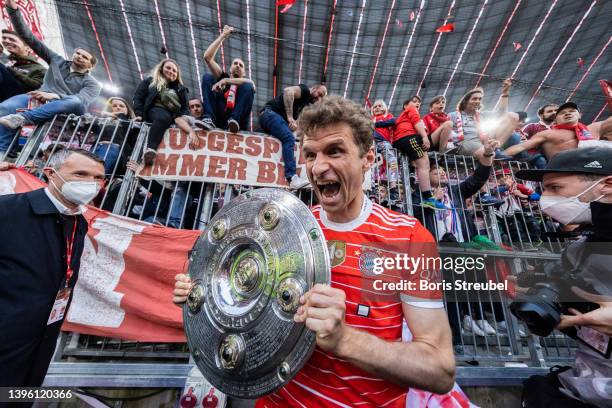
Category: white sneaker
<point>206,124</point>
<point>485,326</point>
<point>470,326</point>
<point>298,182</point>
<point>13,121</point>
<point>503,328</point>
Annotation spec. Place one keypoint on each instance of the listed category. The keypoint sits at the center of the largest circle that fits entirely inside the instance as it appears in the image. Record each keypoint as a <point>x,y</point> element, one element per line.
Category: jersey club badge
<point>337,252</point>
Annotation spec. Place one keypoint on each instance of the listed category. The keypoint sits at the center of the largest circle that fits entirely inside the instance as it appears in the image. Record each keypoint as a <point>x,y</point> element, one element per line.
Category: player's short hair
<point>330,110</point>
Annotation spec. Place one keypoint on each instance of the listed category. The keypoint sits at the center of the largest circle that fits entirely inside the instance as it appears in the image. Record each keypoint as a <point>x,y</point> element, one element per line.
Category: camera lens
<point>541,311</point>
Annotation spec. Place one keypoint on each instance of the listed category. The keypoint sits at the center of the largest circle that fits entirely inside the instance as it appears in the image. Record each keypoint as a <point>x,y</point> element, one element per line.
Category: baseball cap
<point>586,160</point>
<point>568,105</point>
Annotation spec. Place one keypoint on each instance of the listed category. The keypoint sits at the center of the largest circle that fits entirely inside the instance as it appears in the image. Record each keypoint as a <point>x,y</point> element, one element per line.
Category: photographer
<point>578,190</point>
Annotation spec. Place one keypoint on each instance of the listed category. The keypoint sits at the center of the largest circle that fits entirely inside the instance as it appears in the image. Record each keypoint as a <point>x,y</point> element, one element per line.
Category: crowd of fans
<point>455,192</point>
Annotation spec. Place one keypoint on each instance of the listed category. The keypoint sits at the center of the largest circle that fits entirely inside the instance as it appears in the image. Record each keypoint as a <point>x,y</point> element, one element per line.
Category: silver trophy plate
<point>261,252</point>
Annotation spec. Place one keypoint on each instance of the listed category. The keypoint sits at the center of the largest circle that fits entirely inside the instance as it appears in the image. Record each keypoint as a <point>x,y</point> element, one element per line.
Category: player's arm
<point>426,363</point>
<point>535,141</point>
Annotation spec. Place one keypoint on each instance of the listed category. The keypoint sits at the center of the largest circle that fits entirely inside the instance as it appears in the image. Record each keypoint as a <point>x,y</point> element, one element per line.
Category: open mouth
<point>328,189</point>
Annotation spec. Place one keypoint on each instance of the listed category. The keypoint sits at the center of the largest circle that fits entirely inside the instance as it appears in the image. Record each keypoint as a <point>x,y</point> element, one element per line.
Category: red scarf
<point>581,131</point>
<point>434,120</point>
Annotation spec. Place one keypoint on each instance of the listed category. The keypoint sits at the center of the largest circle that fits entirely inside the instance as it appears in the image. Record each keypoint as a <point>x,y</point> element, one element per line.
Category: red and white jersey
<point>328,381</point>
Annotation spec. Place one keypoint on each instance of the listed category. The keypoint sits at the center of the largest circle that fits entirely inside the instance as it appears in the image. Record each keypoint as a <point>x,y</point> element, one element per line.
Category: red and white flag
<point>446,28</point>
<point>29,14</point>
<point>126,276</point>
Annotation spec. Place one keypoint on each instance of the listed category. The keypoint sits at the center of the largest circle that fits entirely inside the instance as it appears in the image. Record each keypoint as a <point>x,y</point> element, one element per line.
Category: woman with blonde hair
<point>161,100</point>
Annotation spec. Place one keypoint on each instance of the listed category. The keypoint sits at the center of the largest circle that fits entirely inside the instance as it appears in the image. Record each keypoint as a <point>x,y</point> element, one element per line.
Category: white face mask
<point>78,192</point>
<point>568,210</point>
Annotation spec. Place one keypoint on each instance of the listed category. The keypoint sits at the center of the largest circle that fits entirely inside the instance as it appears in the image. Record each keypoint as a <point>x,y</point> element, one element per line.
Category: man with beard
<point>23,73</point>
<point>546,114</point>
<point>228,98</point>
<point>360,357</point>
<point>567,133</point>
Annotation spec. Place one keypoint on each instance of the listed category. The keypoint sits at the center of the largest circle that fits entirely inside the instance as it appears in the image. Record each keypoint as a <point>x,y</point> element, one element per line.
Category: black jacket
<point>145,96</point>
<point>458,194</point>
<point>32,270</point>
<point>590,259</point>
<point>28,71</point>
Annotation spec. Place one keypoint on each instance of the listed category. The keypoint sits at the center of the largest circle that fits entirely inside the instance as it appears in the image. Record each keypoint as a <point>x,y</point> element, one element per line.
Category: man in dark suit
<point>42,235</point>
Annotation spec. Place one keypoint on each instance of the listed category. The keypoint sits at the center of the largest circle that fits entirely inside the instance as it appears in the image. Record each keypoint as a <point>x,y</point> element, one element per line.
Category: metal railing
<point>509,229</point>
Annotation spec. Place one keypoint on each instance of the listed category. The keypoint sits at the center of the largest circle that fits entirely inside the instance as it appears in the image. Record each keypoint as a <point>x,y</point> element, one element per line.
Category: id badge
<point>596,340</point>
<point>59,306</point>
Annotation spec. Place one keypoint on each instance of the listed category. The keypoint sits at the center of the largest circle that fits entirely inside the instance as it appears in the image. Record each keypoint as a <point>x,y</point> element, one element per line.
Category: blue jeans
<point>175,199</point>
<point>378,137</point>
<point>9,85</point>
<point>274,124</point>
<point>214,104</point>
<point>109,152</point>
<point>69,104</point>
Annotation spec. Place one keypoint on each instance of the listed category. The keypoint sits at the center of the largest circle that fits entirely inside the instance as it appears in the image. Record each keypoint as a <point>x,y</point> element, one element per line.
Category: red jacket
<point>405,125</point>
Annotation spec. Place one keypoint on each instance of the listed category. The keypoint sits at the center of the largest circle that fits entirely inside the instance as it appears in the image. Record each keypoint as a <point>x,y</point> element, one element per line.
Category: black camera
<point>548,297</point>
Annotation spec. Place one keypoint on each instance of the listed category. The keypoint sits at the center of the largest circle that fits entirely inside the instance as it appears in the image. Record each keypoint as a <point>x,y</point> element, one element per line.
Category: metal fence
<point>495,221</point>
